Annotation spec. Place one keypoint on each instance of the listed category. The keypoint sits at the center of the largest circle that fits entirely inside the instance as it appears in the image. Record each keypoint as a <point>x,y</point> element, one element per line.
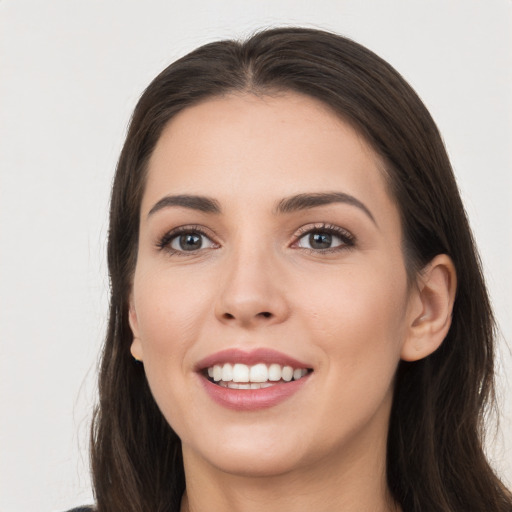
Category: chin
<point>248,455</point>
<point>255,465</point>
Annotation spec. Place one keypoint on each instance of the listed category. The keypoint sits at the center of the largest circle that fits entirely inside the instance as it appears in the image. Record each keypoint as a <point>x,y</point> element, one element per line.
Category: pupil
<point>190,242</point>
<point>320,240</point>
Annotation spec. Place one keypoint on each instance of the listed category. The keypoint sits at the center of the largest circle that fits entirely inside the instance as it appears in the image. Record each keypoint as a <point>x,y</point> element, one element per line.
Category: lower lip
<point>252,399</point>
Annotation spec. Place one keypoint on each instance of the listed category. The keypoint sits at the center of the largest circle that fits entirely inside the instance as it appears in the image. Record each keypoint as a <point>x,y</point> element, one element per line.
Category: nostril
<point>241,317</point>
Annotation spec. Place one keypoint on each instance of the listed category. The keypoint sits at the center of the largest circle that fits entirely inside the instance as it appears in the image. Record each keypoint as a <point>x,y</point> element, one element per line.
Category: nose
<point>252,292</point>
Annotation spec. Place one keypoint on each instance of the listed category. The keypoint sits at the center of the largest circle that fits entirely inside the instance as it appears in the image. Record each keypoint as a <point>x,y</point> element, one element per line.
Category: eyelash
<point>164,243</point>
<point>348,240</point>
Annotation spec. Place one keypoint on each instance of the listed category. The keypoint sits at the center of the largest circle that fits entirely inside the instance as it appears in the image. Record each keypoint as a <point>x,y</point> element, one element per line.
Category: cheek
<point>169,321</point>
<point>169,312</point>
<point>358,320</point>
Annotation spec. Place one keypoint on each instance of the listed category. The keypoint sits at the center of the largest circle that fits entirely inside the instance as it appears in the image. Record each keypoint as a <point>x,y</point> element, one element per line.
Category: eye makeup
<point>317,238</point>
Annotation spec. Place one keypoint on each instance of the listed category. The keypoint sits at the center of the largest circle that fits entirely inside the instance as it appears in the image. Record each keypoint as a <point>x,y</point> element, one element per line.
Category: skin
<point>349,312</point>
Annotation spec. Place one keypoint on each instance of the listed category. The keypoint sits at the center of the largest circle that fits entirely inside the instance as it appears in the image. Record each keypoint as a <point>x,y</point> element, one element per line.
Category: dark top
<point>81,509</point>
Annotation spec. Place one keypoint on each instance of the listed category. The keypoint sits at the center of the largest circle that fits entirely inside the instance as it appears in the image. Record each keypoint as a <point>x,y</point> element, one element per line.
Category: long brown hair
<point>435,459</point>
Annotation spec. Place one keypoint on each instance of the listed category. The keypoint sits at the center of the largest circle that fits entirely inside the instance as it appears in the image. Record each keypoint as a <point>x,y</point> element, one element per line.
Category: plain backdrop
<point>70,74</point>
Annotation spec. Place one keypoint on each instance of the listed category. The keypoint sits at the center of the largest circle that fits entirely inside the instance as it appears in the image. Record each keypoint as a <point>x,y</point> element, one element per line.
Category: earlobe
<point>136,349</point>
<point>431,312</point>
<point>136,346</point>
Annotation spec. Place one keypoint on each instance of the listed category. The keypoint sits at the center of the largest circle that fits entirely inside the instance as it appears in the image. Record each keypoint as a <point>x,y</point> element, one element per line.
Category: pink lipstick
<point>253,380</point>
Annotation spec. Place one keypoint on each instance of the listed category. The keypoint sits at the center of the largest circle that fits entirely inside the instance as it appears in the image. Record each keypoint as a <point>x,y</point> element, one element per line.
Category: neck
<point>356,484</point>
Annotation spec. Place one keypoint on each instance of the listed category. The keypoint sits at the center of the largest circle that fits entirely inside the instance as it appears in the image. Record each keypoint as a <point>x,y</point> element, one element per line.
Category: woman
<point>298,318</point>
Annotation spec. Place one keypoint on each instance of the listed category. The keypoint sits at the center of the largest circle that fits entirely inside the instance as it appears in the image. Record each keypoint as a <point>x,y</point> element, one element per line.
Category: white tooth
<point>233,385</point>
<point>303,372</point>
<point>217,373</point>
<point>255,385</point>
<point>274,372</point>
<point>244,386</point>
<point>227,372</point>
<point>240,373</point>
<point>287,373</point>
<point>297,374</point>
<point>266,384</point>
<point>210,372</point>
<point>223,384</point>
<point>258,373</point>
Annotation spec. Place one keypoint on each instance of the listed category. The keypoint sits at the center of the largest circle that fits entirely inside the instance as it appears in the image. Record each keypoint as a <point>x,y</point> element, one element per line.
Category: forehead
<point>262,147</point>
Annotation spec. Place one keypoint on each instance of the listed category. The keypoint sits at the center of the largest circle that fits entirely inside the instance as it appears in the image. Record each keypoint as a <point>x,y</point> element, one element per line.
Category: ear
<point>431,305</point>
<point>136,346</point>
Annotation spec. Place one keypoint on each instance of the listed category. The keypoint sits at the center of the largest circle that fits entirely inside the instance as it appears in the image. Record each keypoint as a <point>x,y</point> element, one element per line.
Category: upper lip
<point>250,357</point>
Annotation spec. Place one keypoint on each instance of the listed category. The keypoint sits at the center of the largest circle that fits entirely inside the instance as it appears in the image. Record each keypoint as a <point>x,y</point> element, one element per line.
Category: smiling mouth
<point>258,376</point>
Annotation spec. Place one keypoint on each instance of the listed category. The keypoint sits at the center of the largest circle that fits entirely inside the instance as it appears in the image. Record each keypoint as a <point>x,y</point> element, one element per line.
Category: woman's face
<point>269,250</point>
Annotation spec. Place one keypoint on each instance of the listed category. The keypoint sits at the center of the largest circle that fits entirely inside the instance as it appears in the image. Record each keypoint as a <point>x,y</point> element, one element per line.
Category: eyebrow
<point>200,203</point>
<point>307,201</point>
<point>287,205</point>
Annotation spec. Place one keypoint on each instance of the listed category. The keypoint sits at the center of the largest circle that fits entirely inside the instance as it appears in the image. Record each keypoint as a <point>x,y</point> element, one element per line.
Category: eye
<point>184,240</point>
<point>189,242</point>
<point>319,241</point>
<point>324,238</point>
